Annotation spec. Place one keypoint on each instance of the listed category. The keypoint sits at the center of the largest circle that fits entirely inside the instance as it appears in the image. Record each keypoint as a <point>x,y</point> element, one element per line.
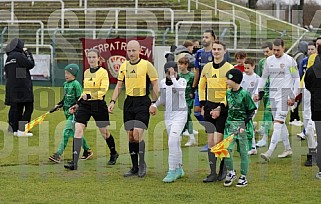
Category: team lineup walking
<point>225,99</point>
<point>155,101</point>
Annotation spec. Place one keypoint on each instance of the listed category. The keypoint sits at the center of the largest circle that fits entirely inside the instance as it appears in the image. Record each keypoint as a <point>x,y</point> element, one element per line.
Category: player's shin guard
<point>111,144</point>
<point>76,151</point>
<point>312,143</point>
<point>275,137</point>
<point>212,161</point>
<point>141,153</point>
<point>142,164</point>
<point>285,137</point>
<point>133,155</point>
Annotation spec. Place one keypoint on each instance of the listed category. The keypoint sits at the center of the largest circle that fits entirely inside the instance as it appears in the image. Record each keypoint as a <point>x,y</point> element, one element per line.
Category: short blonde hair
<point>183,60</point>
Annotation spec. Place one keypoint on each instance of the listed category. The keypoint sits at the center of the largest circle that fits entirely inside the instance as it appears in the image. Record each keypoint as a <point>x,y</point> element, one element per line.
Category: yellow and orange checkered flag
<point>220,149</point>
<point>35,122</point>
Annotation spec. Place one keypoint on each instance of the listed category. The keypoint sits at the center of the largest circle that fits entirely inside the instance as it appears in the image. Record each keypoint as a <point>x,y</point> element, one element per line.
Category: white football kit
<point>250,83</point>
<point>284,84</point>
<point>173,97</point>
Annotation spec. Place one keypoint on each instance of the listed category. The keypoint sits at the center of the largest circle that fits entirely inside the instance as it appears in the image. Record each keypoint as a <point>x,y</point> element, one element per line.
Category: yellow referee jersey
<point>137,77</point>
<point>96,84</point>
<point>311,60</point>
<point>215,82</point>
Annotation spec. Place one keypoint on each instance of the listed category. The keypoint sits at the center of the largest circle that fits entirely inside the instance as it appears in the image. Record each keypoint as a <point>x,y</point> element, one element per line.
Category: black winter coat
<point>19,87</point>
<point>312,82</point>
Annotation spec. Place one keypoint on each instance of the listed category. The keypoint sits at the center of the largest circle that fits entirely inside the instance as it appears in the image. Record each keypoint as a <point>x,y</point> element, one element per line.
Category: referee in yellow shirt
<point>212,91</point>
<point>137,75</point>
<point>92,104</point>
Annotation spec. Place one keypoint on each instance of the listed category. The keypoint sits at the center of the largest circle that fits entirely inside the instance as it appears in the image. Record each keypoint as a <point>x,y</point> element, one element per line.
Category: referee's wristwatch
<point>112,101</point>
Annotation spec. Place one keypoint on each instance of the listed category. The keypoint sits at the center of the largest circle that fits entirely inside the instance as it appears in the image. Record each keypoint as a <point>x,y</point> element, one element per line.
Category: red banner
<point>113,52</point>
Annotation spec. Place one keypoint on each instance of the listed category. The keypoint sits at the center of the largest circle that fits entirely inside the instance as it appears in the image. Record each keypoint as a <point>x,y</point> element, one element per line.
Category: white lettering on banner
<point>123,46</point>
<point>117,45</point>
<point>145,51</point>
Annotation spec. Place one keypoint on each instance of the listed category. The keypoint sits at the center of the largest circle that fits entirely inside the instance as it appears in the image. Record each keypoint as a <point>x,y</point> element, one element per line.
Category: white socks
<point>309,133</point>
<point>275,137</point>
<point>191,137</point>
<point>253,142</point>
<point>174,152</point>
<point>285,137</point>
<point>280,131</point>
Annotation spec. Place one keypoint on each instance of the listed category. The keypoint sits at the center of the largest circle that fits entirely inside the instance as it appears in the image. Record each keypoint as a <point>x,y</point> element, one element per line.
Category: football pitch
<point>27,176</point>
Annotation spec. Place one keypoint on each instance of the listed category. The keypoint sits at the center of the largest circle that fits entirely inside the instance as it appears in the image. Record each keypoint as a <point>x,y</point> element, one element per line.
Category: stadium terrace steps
<point>49,14</point>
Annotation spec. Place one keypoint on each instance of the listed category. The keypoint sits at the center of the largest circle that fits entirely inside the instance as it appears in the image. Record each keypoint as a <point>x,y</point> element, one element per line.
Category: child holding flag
<point>241,109</point>
<point>72,91</point>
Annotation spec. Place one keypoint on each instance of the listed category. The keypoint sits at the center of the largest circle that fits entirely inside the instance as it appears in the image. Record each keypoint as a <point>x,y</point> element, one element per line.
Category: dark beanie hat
<point>235,75</point>
<point>169,65</point>
<point>73,69</point>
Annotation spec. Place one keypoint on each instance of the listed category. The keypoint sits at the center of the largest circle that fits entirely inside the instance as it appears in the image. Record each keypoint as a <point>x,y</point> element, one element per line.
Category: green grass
<point>33,179</point>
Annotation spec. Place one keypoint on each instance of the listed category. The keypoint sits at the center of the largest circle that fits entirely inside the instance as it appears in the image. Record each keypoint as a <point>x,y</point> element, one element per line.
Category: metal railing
<point>207,23</point>
<point>26,21</point>
<point>85,4</point>
<point>125,9</point>
<point>32,1</point>
<point>2,38</point>
<point>259,24</point>
<point>189,5</point>
<point>164,37</point>
<point>295,43</point>
<point>260,15</point>
<point>136,6</point>
<point>257,13</point>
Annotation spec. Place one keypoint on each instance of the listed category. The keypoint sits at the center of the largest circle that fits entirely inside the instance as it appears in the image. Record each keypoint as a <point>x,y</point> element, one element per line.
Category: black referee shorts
<point>136,112</point>
<point>214,125</point>
<point>97,109</point>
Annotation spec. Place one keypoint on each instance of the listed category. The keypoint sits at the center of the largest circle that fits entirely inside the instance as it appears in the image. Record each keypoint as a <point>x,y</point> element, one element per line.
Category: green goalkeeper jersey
<point>240,104</point>
<point>259,69</point>
<point>189,77</point>
<point>72,91</point>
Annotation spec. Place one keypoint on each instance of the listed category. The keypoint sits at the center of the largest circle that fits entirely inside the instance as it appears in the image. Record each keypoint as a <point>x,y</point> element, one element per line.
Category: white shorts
<point>279,109</point>
<point>175,122</point>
